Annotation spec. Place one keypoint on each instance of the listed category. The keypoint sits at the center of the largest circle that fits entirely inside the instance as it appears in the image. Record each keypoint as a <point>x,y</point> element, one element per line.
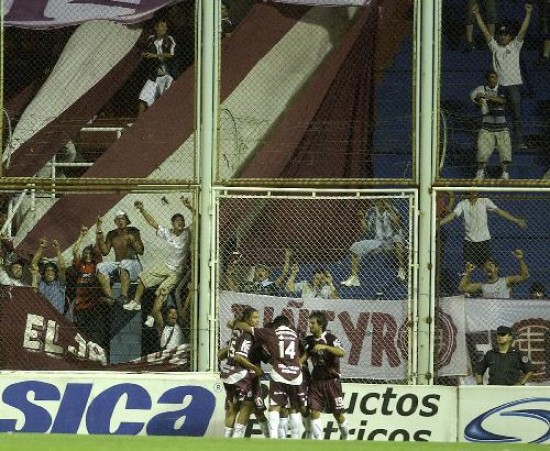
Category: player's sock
<point>273,418</point>
<point>344,430</point>
<point>238,430</point>
<point>283,428</point>
<point>264,426</point>
<point>295,425</point>
<point>227,432</point>
<point>307,427</point>
<point>316,429</point>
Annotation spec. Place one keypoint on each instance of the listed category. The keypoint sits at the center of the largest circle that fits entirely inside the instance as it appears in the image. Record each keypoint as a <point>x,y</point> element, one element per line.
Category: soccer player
<point>283,344</point>
<point>240,372</point>
<point>325,388</point>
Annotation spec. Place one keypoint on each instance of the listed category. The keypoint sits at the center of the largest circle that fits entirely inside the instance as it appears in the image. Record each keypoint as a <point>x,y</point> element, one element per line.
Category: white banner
<point>475,322</point>
<point>515,415</point>
<point>63,13</point>
<point>452,354</point>
<point>373,333</point>
<point>392,413</point>
<point>399,413</point>
<point>120,404</point>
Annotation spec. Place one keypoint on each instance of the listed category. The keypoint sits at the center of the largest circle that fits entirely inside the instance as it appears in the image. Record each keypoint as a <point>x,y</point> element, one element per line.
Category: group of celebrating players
<point>296,396</point>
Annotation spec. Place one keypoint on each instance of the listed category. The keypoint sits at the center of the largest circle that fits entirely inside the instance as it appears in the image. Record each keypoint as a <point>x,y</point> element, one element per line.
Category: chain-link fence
<point>492,271</point>
<point>494,104</point>
<point>86,100</point>
<point>98,281</point>
<point>305,93</point>
<point>321,93</point>
<point>349,255</point>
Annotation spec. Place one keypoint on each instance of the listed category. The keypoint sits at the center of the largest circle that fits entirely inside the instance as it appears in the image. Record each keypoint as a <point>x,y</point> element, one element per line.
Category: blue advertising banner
<point>93,403</point>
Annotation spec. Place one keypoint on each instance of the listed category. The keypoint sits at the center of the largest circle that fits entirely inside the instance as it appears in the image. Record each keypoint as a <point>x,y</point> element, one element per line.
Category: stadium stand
<point>461,72</point>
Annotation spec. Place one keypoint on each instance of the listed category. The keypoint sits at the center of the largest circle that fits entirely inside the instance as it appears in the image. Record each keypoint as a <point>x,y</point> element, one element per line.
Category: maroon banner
<point>62,13</point>
<point>43,14</point>
<point>326,2</point>
<point>34,336</point>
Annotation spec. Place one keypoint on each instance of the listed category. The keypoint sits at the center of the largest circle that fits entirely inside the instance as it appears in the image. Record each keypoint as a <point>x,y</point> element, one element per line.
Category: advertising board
<point>496,414</point>
<point>131,404</point>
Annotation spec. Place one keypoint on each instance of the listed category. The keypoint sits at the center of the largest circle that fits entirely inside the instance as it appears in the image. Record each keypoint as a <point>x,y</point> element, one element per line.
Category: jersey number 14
<point>288,351</point>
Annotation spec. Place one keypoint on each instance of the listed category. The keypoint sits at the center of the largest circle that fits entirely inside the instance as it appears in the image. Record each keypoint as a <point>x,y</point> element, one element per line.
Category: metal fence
<point>108,279</point>
<point>322,93</point>
<point>283,251</point>
<point>350,254</point>
<point>492,271</point>
<point>305,93</point>
<point>476,141</point>
<point>88,100</point>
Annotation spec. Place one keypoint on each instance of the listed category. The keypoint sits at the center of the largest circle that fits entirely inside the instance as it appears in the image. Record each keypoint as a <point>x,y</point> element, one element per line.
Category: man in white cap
<point>506,49</point>
<point>127,244</point>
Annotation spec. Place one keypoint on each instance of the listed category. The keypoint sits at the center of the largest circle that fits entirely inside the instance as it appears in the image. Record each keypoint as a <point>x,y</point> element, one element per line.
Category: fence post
<point>208,62</point>
<point>426,150</point>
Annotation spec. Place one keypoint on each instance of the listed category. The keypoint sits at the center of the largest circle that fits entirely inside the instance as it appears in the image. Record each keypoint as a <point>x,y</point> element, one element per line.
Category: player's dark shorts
<point>239,392</point>
<point>326,396</point>
<point>477,253</point>
<point>306,377</point>
<point>286,395</point>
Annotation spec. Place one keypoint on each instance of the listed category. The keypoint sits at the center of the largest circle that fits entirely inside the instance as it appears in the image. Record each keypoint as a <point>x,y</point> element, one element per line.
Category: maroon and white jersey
<point>252,350</point>
<point>325,364</point>
<point>239,343</point>
<point>283,344</point>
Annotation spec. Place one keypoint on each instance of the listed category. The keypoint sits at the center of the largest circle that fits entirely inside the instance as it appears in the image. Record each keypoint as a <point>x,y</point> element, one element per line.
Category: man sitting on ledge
<point>126,241</point>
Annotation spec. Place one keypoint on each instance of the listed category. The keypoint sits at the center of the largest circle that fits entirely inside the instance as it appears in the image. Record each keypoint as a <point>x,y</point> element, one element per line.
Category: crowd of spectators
<point>380,232</point>
<point>506,79</point>
<point>479,271</point>
<point>480,274</point>
<point>93,287</point>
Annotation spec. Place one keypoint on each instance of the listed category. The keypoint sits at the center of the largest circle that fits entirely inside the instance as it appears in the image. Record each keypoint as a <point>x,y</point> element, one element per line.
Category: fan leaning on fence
<point>496,286</point>
<point>12,266</point>
<point>261,282</point>
<point>50,280</point>
<point>319,286</point>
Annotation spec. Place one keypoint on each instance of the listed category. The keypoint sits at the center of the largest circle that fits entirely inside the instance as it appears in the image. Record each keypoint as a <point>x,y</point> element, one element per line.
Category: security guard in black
<point>506,365</point>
